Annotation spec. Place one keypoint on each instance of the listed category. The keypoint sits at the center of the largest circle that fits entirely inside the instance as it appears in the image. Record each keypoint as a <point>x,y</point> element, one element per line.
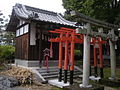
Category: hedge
<point>7,52</point>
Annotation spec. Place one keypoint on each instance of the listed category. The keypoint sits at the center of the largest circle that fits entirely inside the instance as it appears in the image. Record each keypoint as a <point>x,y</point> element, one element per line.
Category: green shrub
<point>7,52</point>
<point>78,54</point>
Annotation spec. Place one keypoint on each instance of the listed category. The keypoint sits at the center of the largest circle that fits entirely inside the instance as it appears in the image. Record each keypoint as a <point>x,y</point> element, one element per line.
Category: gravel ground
<point>22,74</point>
<point>33,87</point>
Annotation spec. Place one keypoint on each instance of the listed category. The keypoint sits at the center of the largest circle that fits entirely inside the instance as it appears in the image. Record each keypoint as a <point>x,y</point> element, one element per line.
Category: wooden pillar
<point>101,60</point>
<point>86,58</point>
<point>39,37</point>
<point>95,61</point>
<point>66,60</point>
<point>60,59</point>
<point>40,49</point>
<point>72,58</point>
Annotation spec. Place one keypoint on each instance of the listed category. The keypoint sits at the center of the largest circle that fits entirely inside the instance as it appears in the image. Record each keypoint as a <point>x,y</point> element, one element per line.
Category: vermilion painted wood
<point>66,54</point>
<point>100,42</point>
<point>72,52</point>
<point>100,52</point>
<point>60,53</point>
<point>95,57</point>
<point>69,29</point>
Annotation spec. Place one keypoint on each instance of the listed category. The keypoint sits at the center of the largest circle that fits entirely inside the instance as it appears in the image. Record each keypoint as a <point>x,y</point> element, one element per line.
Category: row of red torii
<point>87,37</point>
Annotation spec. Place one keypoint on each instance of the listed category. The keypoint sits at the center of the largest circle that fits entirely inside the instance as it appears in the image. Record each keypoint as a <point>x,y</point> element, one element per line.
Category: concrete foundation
<point>26,63</point>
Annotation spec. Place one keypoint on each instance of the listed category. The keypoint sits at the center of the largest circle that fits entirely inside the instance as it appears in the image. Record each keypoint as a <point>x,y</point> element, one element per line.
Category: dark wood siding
<point>34,52</point>
<point>22,47</point>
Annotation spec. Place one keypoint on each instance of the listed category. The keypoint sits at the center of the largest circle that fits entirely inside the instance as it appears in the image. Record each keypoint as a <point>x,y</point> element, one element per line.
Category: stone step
<point>50,70</point>
<point>50,76</point>
<point>49,73</point>
<point>53,72</point>
<point>56,75</point>
<point>44,68</point>
<point>75,73</point>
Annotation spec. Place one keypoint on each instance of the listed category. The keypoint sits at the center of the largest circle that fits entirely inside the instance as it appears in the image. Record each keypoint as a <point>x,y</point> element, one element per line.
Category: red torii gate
<point>98,41</point>
<point>67,36</point>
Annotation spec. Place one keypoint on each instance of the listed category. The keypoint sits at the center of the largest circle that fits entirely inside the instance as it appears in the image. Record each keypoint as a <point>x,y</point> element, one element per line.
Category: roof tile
<point>43,15</point>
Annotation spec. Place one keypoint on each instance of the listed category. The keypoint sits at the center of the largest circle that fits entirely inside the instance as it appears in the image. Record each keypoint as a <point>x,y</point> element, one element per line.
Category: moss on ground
<point>107,72</point>
<point>106,82</point>
<point>1,67</point>
<point>56,88</point>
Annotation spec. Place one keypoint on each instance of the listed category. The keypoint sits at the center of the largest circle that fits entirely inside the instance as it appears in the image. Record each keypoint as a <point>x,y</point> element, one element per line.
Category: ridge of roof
<point>29,13</point>
<point>29,8</point>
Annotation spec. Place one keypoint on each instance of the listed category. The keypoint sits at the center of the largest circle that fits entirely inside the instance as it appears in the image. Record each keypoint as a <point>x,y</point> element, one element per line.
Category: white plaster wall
<point>17,33</point>
<point>22,30</point>
<point>32,34</point>
<point>26,29</point>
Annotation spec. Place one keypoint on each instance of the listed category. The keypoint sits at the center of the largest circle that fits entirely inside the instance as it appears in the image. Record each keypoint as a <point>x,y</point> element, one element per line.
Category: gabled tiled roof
<point>27,12</point>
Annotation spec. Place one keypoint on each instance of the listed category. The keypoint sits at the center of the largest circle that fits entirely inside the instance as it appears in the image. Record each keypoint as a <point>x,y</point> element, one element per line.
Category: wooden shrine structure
<point>32,26</point>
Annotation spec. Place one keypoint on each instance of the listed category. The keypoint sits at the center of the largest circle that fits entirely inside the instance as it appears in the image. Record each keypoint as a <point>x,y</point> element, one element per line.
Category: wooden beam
<point>22,25</point>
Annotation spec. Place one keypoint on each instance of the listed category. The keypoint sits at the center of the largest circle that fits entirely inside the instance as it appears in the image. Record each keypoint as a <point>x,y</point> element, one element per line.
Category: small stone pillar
<point>112,58</point>
<point>86,58</point>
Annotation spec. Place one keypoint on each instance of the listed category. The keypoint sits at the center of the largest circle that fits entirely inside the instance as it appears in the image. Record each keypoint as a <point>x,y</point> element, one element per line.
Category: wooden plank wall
<point>34,52</point>
<point>22,47</point>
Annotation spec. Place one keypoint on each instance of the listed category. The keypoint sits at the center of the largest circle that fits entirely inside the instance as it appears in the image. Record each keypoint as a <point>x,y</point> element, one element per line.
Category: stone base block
<point>58,84</point>
<point>94,78</point>
<point>82,86</point>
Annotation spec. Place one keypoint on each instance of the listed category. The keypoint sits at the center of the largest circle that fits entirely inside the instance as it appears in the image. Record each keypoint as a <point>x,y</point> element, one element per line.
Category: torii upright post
<point>112,57</point>
<point>60,59</point>
<point>101,59</point>
<point>95,60</point>
<point>100,53</point>
<point>66,60</point>
<point>86,58</point>
<point>72,58</point>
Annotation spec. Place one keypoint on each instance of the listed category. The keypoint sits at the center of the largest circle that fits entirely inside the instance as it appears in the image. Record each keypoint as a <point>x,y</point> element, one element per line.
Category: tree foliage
<point>106,10</point>
<point>7,52</point>
<point>6,38</point>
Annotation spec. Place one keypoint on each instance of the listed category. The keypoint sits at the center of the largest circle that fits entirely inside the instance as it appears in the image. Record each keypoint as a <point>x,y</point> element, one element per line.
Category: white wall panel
<point>32,34</point>
<point>26,29</point>
<point>17,33</point>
